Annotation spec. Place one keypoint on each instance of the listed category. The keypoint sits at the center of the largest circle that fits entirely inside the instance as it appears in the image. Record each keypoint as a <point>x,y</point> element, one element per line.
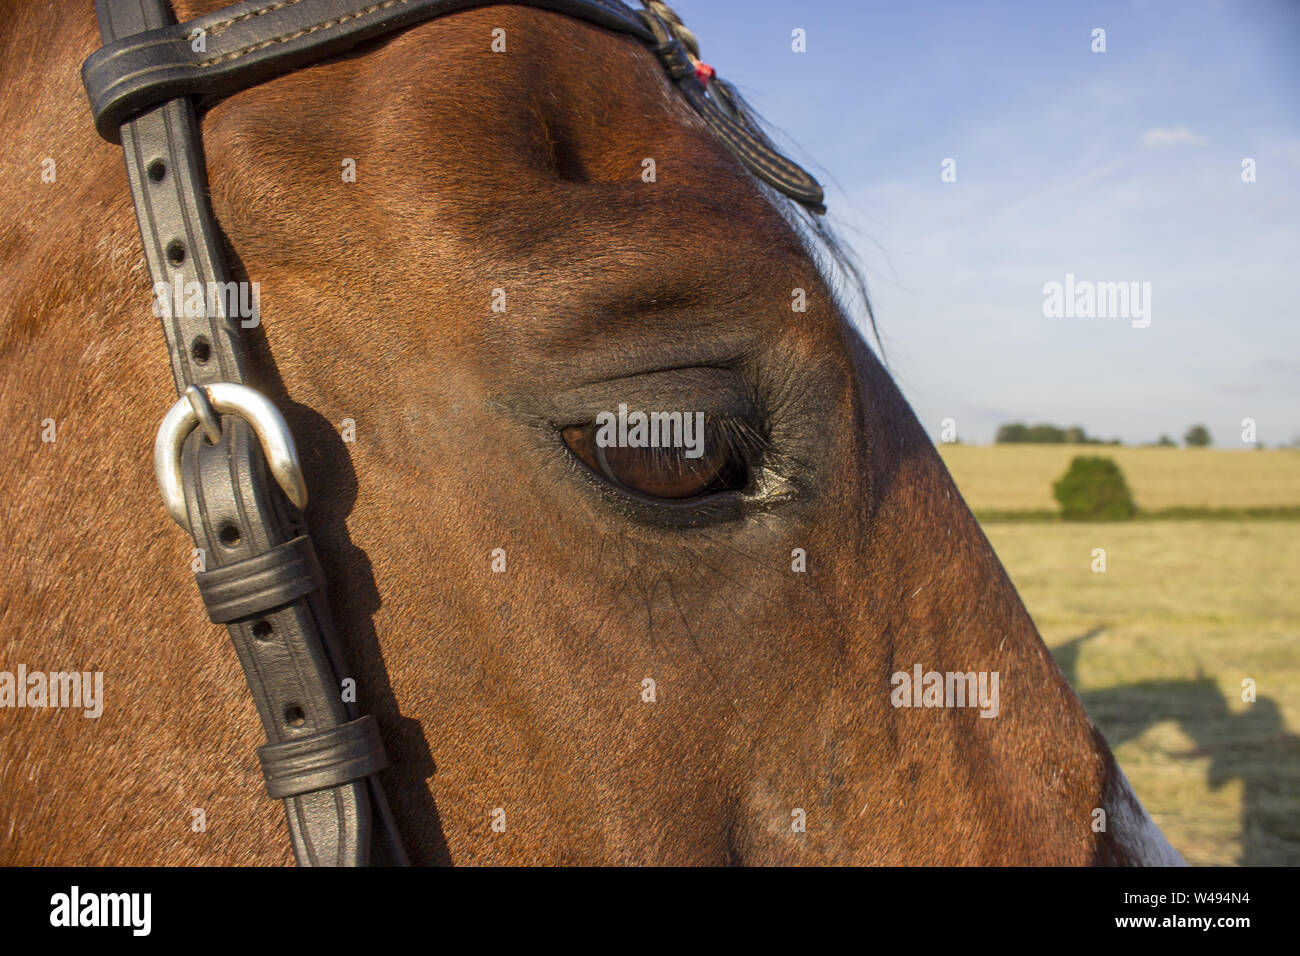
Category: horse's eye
<point>714,459</point>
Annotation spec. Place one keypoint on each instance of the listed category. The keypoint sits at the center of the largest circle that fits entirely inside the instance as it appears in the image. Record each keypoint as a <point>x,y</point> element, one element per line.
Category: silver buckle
<point>198,406</point>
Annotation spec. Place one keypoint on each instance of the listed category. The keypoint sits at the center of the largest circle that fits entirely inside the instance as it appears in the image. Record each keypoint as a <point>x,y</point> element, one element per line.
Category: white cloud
<point>1159,136</point>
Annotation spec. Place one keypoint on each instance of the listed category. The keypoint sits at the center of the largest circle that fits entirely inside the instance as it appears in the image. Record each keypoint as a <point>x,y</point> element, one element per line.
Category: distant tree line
<point>1198,436</point>
<point>1048,435</point>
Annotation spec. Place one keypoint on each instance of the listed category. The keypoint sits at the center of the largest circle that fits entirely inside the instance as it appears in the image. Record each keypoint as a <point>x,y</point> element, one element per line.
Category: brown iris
<point>661,472</point>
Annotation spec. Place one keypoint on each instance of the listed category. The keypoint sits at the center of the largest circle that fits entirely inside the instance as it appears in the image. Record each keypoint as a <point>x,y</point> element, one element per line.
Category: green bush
<point>1094,489</point>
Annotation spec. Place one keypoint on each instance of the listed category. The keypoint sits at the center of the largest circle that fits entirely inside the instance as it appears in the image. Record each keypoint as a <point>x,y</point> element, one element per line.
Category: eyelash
<point>740,438</point>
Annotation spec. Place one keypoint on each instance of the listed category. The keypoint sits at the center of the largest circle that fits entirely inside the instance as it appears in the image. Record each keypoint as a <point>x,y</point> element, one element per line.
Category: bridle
<point>224,456</point>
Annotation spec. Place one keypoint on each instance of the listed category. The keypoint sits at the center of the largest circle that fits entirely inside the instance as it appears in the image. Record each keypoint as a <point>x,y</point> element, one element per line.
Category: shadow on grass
<point>1253,746</point>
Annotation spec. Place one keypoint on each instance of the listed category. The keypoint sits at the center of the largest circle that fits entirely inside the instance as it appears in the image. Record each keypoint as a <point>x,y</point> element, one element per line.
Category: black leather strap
<point>289,651</point>
<point>262,575</point>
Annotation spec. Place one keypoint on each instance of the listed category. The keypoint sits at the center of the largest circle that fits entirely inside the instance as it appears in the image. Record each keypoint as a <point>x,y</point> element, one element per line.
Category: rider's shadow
<point>1252,745</point>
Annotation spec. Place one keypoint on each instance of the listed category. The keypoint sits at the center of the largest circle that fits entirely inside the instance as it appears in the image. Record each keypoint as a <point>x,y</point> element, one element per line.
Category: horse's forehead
<point>567,154</point>
<point>454,127</point>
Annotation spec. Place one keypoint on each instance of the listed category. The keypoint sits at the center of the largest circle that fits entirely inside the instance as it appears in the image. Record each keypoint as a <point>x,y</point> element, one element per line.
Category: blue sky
<point>1115,166</point>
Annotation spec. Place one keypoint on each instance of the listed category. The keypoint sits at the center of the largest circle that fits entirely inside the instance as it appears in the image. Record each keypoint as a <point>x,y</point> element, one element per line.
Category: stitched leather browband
<point>224,456</point>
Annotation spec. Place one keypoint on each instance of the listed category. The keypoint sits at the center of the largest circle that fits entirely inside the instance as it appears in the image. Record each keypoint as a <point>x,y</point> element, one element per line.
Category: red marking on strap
<point>704,73</point>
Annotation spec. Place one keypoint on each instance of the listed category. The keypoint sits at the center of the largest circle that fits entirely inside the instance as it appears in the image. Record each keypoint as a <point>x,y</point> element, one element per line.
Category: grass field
<point>1019,477</point>
<point>1159,644</point>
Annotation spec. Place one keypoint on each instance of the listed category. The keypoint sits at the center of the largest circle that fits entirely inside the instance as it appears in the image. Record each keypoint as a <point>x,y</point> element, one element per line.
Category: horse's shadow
<point>1253,746</point>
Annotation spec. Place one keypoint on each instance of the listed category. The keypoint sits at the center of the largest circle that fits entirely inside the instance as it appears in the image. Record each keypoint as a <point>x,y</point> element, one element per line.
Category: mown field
<point>1158,646</point>
<point>1019,477</point>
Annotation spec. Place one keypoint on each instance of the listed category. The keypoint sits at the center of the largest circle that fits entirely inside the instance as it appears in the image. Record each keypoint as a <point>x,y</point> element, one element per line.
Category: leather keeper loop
<point>261,583</point>
<point>323,760</point>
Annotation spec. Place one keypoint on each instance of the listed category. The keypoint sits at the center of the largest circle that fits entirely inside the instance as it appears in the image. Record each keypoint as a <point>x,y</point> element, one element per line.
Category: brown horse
<point>574,660</point>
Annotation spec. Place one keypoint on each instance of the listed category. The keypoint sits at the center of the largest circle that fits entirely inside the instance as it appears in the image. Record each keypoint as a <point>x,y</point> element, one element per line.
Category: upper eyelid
<point>714,391</point>
<point>741,432</point>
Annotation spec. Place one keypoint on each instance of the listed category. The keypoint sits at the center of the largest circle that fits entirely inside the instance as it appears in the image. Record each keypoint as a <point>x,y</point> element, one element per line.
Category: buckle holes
<point>176,252</point>
<point>293,716</point>
<point>229,535</point>
<point>157,170</point>
<point>262,630</point>
<point>201,349</point>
